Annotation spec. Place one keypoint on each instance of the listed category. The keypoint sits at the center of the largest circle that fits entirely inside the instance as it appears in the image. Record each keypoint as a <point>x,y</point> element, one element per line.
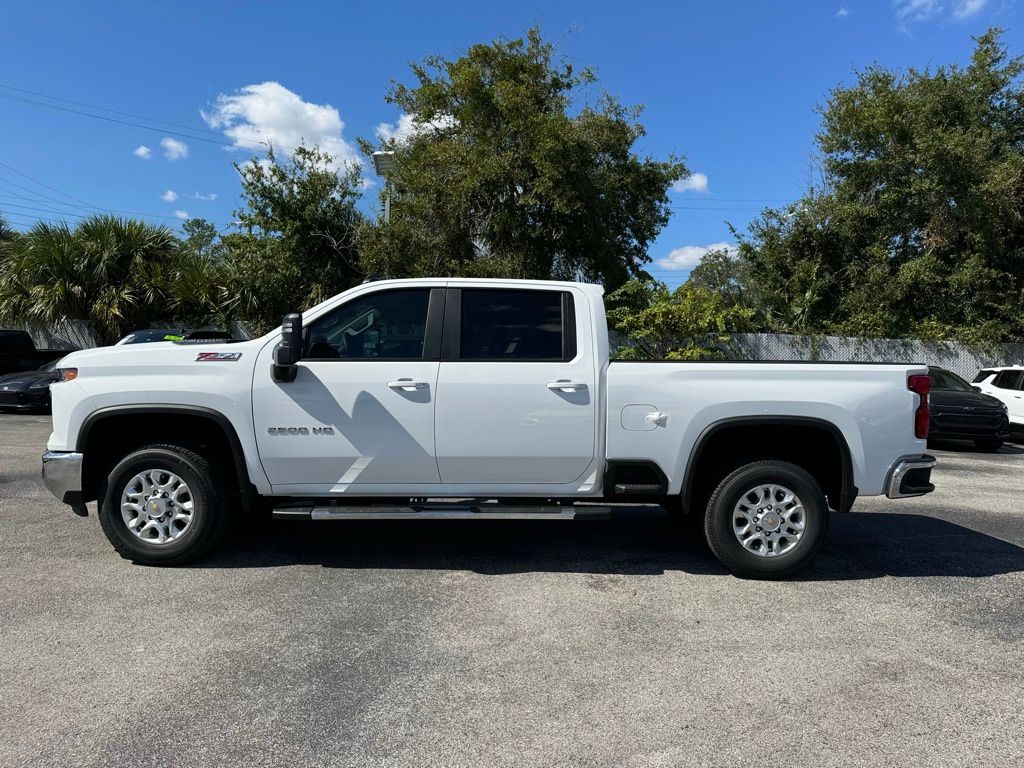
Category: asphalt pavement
<point>463,643</point>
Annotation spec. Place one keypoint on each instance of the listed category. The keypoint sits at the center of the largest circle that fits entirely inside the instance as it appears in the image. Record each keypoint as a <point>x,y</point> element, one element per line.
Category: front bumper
<point>25,399</point>
<point>62,475</point>
<point>910,476</point>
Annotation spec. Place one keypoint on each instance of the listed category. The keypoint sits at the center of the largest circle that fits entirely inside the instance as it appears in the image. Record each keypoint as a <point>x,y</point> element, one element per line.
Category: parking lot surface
<point>517,643</point>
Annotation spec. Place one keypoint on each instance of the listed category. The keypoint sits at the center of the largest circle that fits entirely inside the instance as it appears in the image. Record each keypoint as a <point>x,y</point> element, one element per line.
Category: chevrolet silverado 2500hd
<point>473,398</point>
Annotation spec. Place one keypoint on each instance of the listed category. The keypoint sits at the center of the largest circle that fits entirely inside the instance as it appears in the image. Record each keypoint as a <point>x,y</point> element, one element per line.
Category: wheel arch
<point>840,489</point>
<point>213,424</point>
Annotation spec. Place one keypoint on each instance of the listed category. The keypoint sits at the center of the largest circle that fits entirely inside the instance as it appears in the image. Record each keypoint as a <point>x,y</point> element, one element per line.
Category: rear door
<point>516,392</point>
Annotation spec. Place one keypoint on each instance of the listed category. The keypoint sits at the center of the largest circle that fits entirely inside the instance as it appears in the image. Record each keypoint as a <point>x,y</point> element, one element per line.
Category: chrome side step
<point>442,511</point>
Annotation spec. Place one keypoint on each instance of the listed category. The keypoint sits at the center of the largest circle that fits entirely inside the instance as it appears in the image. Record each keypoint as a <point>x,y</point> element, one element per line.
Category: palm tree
<point>111,272</point>
<point>7,234</point>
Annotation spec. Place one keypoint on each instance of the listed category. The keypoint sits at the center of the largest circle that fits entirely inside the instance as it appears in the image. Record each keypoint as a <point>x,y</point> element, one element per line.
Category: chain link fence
<point>962,359</point>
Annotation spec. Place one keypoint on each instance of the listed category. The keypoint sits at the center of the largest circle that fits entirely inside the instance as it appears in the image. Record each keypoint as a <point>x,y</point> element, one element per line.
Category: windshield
<point>143,337</point>
<point>948,382</point>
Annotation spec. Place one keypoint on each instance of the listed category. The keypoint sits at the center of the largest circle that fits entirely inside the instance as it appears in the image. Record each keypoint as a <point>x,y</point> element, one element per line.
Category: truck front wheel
<point>164,505</point>
<point>766,520</point>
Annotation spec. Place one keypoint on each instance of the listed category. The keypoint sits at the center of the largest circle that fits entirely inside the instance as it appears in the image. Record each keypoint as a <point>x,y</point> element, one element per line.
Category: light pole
<point>383,162</point>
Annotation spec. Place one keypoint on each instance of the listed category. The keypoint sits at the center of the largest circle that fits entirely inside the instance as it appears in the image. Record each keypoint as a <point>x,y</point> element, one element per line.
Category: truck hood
<point>169,354</point>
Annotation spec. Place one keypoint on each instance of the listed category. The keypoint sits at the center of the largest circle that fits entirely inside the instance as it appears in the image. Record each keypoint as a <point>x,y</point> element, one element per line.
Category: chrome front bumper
<point>910,476</point>
<point>62,475</point>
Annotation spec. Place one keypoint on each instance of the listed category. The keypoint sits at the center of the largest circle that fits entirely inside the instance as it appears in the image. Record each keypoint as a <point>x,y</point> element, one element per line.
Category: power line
<point>84,205</point>
<point>220,142</point>
<point>112,111</point>
<point>115,120</point>
<point>43,184</point>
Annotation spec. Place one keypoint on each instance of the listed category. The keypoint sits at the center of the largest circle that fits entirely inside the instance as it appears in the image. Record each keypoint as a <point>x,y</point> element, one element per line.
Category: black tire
<point>989,446</point>
<point>718,520</point>
<point>212,506</point>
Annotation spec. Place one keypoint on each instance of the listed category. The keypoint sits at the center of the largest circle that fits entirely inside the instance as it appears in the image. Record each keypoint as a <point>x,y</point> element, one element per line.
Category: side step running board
<point>443,511</point>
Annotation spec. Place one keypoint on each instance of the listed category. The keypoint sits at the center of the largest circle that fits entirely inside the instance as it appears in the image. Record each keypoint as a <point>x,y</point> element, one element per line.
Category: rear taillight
<point>921,385</point>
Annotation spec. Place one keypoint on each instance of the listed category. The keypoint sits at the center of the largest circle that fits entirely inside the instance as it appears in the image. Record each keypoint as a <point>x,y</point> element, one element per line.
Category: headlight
<point>39,385</point>
<point>67,374</point>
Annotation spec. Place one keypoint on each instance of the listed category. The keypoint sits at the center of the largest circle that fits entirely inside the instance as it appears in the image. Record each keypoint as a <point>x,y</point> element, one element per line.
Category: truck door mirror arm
<point>288,351</point>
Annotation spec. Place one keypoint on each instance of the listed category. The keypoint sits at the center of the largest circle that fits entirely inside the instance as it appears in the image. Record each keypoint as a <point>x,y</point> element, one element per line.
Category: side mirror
<point>975,387</point>
<point>289,350</point>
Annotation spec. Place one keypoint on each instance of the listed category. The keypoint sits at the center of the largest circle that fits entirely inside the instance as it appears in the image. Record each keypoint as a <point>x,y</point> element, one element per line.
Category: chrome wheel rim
<point>157,506</point>
<point>769,520</point>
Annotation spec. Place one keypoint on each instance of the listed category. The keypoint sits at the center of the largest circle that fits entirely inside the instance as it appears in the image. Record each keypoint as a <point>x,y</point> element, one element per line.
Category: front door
<point>515,394</point>
<point>359,416</point>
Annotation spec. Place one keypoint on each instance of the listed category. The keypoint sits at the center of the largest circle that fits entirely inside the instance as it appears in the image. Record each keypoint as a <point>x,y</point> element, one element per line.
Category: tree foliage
<point>297,238</point>
<point>689,323</point>
<point>917,227</point>
<point>113,273</point>
<point>510,171</point>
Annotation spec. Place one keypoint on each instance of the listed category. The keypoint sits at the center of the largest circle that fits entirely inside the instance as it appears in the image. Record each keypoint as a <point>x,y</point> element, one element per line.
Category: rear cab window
<point>513,325</point>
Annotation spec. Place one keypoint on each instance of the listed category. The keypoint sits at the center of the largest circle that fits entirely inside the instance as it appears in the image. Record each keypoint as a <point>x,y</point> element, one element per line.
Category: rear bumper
<point>910,476</point>
<point>62,475</point>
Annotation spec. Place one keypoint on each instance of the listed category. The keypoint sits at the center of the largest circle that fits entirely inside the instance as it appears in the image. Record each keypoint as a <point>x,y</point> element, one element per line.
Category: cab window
<point>388,325</point>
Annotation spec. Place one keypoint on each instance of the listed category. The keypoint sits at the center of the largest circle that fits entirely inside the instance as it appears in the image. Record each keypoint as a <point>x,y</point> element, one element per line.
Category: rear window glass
<point>511,325</point>
<point>1007,380</point>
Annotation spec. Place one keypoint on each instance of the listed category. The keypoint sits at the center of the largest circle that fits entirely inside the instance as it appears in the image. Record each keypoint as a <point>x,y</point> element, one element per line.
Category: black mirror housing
<point>288,351</point>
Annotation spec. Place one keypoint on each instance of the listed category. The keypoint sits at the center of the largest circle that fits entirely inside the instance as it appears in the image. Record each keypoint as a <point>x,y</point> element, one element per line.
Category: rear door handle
<point>408,385</point>
<point>564,385</point>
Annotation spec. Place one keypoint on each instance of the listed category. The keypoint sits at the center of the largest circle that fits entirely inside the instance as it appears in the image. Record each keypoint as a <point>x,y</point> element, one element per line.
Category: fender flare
<point>847,492</point>
<point>246,489</point>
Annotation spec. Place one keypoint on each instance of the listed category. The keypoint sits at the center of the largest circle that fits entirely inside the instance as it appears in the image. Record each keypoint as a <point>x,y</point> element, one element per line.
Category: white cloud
<point>689,256</point>
<point>842,13</point>
<point>208,198</point>
<point>407,127</point>
<point>269,113</point>
<point>174,149</point>
<point>911,11</point>
<point>695,182</point>
<point>169,196</point>
<point>181,214</point>
<point>142,151</point>
<point>966,8</point>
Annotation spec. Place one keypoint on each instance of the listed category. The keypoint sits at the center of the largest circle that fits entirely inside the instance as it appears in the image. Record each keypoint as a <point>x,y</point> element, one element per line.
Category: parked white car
<point>396,397</point>
<point>1005,383</point>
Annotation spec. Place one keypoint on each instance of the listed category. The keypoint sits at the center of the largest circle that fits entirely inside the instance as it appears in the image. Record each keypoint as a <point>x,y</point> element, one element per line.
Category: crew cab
<point>474,398</point>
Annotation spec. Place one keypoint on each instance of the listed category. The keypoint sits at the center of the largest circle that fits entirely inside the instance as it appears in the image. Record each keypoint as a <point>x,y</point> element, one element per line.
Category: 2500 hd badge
<point>300,430</point>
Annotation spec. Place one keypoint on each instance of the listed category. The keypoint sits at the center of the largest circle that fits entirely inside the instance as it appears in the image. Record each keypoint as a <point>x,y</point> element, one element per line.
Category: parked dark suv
<point>960,412</point>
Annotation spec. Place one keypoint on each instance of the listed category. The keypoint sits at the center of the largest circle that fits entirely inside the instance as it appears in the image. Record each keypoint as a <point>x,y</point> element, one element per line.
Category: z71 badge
<point>204,357</point>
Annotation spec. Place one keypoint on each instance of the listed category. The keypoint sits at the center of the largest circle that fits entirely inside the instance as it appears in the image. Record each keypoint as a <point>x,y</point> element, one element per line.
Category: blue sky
<point>732,86</point>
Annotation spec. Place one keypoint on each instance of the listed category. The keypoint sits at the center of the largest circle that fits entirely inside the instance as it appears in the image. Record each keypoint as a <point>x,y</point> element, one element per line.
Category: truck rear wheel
<point>164,505</point>
<point>766,520</point>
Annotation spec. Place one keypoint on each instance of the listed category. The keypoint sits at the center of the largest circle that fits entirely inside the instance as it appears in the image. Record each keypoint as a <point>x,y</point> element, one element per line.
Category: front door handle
<point>408,385</point>
<point>564,385</point>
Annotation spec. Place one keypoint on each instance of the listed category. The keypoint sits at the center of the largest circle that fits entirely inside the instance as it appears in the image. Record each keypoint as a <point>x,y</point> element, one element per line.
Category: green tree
<point>689,323</point>
<point>720,271</point>
<point>202,239</point>
<point>917,228</point>
<point>296,244</point>
<point>107,271</point>
<point>511,171</point>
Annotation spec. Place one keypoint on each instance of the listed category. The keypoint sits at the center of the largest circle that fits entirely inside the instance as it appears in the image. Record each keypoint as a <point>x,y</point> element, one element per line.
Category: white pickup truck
<point>472,398</point>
